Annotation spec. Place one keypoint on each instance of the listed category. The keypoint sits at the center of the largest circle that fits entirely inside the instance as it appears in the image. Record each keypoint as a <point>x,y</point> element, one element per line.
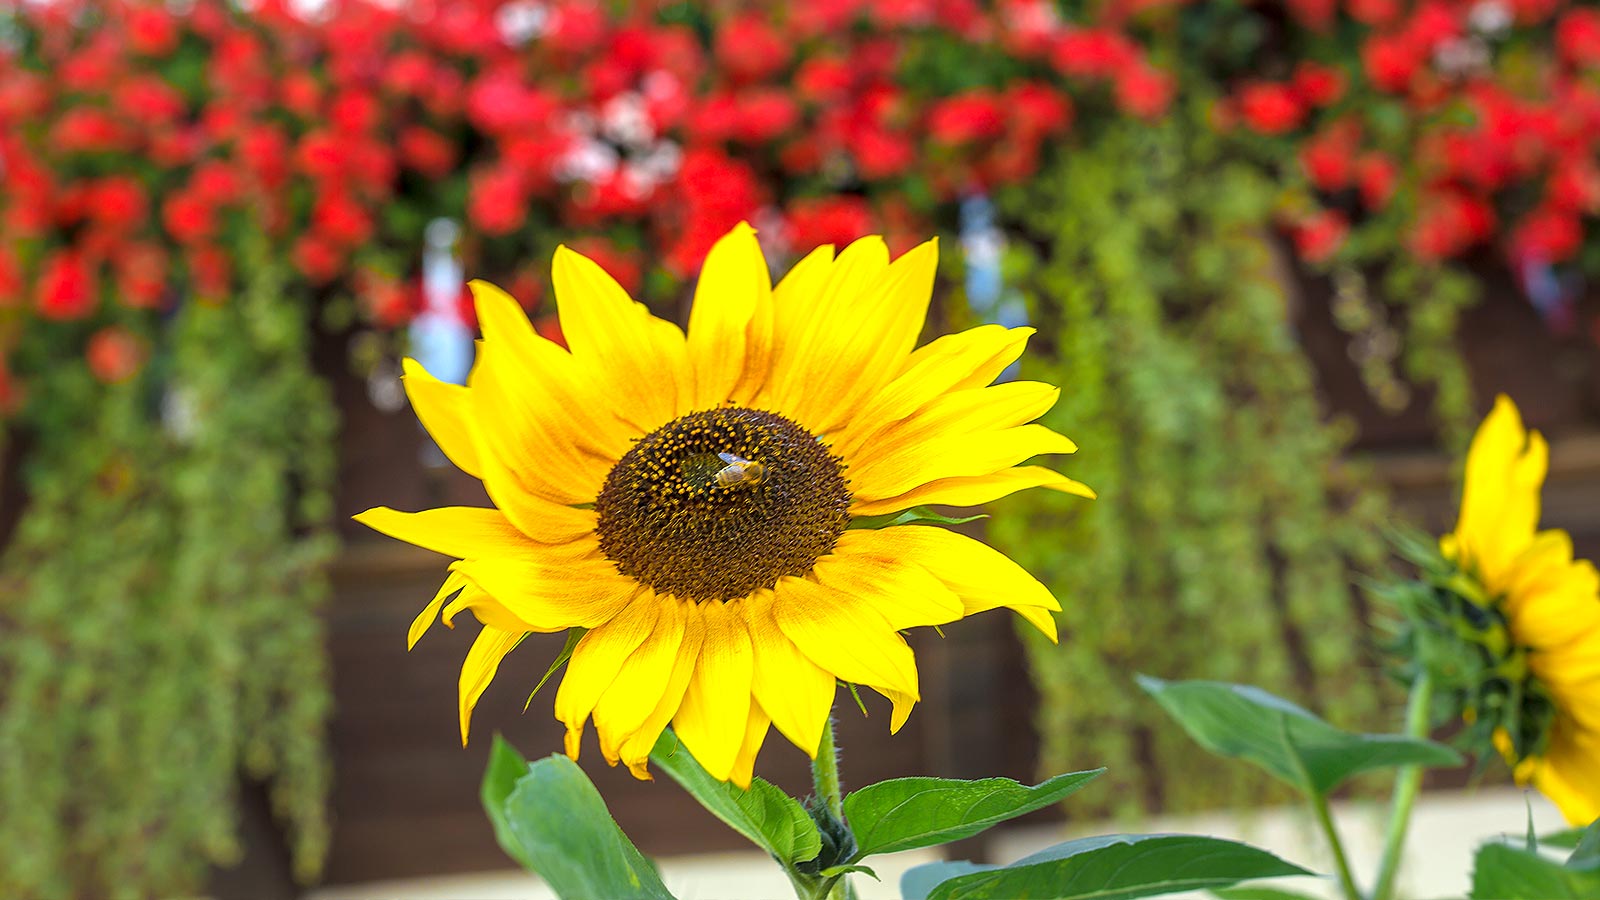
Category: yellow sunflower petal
<point>983,577</point>
<point>1506,466</point>
<point>641,682</point>
<point>640,359</point>
<point>731,289</point>
<point>636,747</point>
<point>445,410</point>
<point>544,369</point>
<point>871,567</point>
<point>974,490</point>
<point>981,410</point>
<point>595,662</point>
<point>470,532</point>
<point>711,721</point>
<point>902,705</point>
<point>1550,598</point>
<point>1569,775</point>
<point>483,660</point>
<point>846,638</point>
<point>951,456</point>
<point>755,734</point>
<point>453,582</point>
<point>549,596</point>
<point>793,690</point>
<point>525,440</point>
<point>954,362</point>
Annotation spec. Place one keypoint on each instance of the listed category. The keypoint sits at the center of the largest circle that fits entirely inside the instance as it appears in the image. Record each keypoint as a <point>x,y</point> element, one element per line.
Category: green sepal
<point>1110,867</point>
<point>574,635</point>
<point>856,695</point>
<point>768,817</point>
<point>917,515</point>
<point>908,813</point>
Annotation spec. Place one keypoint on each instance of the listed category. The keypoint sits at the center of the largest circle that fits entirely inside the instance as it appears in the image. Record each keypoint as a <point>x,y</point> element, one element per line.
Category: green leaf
<point>563,829</point>
<point>1291,743</point>
<point>574,635</point>
<point>918,881</point>
<point>907,813</point>
<point>1587,851</point>
<point>1504,872</point>
<point>506,765</point>
<point>919,515</point>
<point>836,871</point>
<point>1120,866</point>
<point>771,819</point>
<point>1260,893</point>
<point>1566,839</point>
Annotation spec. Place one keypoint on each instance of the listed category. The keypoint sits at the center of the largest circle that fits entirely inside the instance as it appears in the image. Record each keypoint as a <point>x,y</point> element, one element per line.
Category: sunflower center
<point>721,503</point>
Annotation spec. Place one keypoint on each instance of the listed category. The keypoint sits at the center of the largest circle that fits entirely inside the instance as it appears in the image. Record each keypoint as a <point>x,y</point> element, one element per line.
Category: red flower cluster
<point>1492,152</point>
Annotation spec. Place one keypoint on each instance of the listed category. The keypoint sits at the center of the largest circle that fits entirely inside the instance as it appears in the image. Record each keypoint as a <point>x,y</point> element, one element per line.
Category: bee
<point>739,472</point>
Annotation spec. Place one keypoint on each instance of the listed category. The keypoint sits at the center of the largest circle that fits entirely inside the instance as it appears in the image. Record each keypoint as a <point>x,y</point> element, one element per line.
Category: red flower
<point>821,79</point>
<point>152,31</point>
<point>814,221</point>
<point>500,103</point>
<point>355,112</point>
<point>115,355</point>
<point>1270,108</point>
<point>88,130</point>
<point>141,275</point>
<point>188,217</point>
<point>1578,37</point>
<point>1376,176</point>
<point>1144,91</point>
<point>1449,222</point>
<point>1328,157</point>
<point>427,151</point>
<point>66,287</point>
<point>765,115</point>
<point>965,118</point>
<point>1318,85</point>
<point>149,100</point>
<point>118,203</point>
<point>1373,12</point>
<point>1547,235</point>
<point>880,153</point>
<point>1316,15</point>
<point>210,272</point>
<point>337,217</point>
<point>497,202</point>
<point>750,49</point>
<point>1094,53</point>
<point>1037,109</point>
<point>1319,236</point>
<point>1391,61</point>
<point>318,260</point>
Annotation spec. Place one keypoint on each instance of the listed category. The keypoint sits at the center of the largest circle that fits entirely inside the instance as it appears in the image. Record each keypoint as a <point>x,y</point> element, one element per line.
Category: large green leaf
<point>562,829</point>
<point>506,765</point>
<point>907,813</point>
<point>1504,872</point>
<point>1113,867</point>
<point>771,819</point>
<point>1291,743</point>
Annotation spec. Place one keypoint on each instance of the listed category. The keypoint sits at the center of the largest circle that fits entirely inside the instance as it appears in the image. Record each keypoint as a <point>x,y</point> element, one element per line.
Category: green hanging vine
<point>1226,530</point>
<point>172,568</point>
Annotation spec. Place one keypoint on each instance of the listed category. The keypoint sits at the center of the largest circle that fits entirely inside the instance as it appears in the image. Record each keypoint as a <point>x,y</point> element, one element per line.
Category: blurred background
<point>1280,254</point>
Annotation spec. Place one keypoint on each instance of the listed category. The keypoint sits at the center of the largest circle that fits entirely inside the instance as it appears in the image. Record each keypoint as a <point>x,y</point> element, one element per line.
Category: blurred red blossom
<point>115,355</point>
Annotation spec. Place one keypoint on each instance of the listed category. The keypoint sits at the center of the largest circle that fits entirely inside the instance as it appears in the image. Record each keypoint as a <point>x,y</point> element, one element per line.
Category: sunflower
<point>695,503</point>
<point>1550,607</point>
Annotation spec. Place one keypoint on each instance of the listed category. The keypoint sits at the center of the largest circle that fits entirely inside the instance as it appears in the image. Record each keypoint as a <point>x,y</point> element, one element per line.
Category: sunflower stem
<point>1347,881</point>
<point>825,773</point>
<point>1406,786</point>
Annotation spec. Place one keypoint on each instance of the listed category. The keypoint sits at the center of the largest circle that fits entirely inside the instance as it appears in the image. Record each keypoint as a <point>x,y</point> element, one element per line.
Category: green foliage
<point>1109,867</point>
<point>551,819</point>
<point>771,819</point>
<point>1223,542</point>
<point>1504,872</point>
<point>170,640</point>
<point>908,813</point>
<point>1295,746</point>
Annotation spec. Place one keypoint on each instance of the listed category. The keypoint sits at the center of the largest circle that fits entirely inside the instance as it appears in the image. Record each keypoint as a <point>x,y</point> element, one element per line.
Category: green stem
<point>1406,786</point>
<point>825,773</point>
<point>1319,805</point>
<point>825,782</point>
